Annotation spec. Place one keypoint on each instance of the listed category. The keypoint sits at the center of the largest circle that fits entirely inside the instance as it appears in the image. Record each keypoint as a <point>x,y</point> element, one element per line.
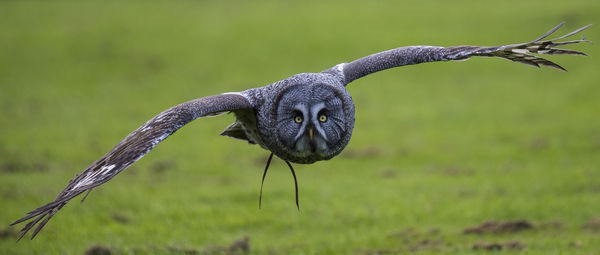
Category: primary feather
<point>412,55</point>
<point>131,149</point>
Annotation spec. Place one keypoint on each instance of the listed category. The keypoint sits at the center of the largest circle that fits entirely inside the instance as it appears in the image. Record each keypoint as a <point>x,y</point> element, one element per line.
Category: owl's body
<point>305,118</point>
<point>268,125</point>
<point>277,105</point>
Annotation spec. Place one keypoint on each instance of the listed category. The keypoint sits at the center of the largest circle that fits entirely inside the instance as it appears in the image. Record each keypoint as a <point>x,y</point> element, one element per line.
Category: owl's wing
<point>132,148</point>
<point>420,54</point>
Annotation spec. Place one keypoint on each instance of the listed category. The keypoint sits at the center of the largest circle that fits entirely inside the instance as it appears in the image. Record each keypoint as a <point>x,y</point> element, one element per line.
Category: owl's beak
<point>311,142</point>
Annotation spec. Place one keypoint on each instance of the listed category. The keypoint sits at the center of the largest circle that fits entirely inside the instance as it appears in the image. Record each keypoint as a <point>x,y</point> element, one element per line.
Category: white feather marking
<point>90,177</point>
<point>522,51</point>
<point>159,139</point>
<point>233,93</point>
<point>243,94</point>
<point>146,128</point>
<point>83,182</point>
<point>77,185</point>
<point>105,169</point>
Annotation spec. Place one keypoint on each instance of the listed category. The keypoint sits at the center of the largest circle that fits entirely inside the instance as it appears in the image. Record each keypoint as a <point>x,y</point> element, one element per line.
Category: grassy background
<point>437,147</point>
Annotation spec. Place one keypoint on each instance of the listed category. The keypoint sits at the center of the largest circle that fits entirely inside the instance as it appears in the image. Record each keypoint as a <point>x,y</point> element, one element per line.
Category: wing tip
<point>551,31</point>
<point>554,29</point>
<point>560,68</point>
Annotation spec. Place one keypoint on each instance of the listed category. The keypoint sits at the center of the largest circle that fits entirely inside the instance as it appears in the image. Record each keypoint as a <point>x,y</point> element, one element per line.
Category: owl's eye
<point>298,119</point>
<point>322,118</point>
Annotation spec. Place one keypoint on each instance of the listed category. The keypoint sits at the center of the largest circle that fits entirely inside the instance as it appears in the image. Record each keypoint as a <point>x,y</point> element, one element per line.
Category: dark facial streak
<point>263,179</point>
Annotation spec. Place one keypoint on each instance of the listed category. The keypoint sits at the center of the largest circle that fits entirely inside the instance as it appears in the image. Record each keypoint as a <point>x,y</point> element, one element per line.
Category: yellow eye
<point>298,119</point>
<point>322,118</point>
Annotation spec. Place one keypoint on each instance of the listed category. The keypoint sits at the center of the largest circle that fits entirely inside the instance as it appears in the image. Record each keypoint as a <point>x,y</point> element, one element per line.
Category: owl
<point>302,119</point>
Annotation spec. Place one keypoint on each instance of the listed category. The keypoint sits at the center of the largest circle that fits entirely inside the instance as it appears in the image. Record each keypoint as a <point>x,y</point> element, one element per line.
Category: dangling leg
<point>295,183</point>
<point>263,180</point>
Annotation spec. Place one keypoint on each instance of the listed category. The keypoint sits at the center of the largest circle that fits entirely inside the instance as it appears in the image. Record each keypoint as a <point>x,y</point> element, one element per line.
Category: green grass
<point>437,148</point>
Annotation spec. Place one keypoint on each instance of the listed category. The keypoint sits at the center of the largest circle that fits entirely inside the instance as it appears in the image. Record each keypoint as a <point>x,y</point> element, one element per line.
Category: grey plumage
<point>305,118</point>
<point>420,54</point>
<point>131,149</point>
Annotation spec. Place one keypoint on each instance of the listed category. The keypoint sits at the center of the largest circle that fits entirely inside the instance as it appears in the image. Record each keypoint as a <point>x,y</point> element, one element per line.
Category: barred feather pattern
<point>522,52</point>
<point>412,55</point>
<point>129,150</point>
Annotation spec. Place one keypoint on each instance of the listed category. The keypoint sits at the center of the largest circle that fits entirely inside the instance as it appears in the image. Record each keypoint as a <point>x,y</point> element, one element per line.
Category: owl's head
<point>313,117</point>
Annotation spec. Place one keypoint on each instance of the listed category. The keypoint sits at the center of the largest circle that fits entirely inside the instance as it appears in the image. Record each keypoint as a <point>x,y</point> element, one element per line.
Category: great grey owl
<point>305,118</point>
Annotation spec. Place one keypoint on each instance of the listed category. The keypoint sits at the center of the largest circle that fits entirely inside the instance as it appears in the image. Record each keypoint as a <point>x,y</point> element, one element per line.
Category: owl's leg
<point>295,183</point>
<point>265,174</point>
<point>263,179</point>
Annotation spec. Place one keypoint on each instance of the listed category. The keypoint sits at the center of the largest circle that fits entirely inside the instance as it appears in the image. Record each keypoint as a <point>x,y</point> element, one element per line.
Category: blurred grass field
<point>437,148</point>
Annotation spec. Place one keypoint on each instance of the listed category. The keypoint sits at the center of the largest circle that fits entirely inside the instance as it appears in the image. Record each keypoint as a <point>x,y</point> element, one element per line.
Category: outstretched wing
<point>412,55</point>
<point>132,148</point>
